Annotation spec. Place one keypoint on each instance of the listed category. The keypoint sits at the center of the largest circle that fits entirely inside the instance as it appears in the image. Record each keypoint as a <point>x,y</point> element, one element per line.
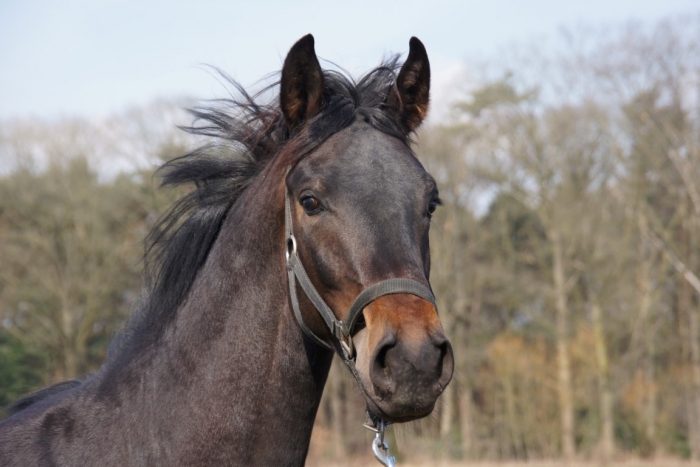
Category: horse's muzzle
<point>410,360</point>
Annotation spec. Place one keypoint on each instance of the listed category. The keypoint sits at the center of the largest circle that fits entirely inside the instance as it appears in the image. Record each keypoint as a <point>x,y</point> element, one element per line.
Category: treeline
<point>71,226</point>
<point>566,257</point>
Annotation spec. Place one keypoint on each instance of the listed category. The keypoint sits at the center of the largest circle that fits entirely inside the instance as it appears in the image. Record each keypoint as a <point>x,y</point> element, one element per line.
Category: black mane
<point>248,134</point>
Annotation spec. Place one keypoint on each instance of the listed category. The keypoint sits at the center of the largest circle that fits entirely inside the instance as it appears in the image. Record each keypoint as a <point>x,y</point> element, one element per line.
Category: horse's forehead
<point>363,150</point>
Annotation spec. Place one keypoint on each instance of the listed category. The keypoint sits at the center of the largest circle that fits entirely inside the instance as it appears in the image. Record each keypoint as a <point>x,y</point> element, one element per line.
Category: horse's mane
<point>33,398</point>
<point>247,135</point>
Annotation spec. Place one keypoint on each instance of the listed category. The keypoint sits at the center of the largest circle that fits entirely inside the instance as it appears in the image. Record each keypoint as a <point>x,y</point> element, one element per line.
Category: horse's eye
<point>310,205</point>
<point>433,206</point>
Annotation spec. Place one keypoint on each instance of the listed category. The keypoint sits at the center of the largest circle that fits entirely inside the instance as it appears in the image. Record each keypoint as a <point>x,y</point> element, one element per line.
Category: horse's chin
<point>387,412</point>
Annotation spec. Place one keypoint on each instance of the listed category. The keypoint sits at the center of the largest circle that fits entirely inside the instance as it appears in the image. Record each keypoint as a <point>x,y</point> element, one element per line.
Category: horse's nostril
<point>439,340</point>
<point>380,371</point>
<point>446,365</point>
<point>381,360</point>
<point>443,352</point>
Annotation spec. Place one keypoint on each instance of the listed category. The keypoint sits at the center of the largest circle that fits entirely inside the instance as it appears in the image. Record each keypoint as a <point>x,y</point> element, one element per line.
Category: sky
<point>92,58</point>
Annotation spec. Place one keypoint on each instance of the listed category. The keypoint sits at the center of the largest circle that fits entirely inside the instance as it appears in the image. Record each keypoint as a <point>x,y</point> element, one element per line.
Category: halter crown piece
<point>342,330</point>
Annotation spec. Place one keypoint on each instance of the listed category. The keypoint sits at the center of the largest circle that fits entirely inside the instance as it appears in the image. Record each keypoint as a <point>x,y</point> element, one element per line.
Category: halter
<point>342,330</point>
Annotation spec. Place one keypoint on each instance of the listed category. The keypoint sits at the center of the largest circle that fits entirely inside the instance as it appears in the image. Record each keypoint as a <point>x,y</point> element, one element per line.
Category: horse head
<point>359,213</point>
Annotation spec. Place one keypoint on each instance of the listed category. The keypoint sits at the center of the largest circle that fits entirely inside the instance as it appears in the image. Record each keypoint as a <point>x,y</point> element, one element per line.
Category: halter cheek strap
<point>340,329</point>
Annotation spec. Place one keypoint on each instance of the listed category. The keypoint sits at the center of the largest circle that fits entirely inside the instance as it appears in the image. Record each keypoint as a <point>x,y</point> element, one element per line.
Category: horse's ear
<point>410,95</point>
<point>301,90</point>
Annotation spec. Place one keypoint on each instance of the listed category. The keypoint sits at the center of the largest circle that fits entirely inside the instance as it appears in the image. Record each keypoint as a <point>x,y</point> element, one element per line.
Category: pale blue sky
<point>92,57</point>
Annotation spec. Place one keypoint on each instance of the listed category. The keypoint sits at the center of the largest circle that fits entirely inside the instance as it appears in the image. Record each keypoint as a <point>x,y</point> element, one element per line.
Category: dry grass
<point>321,453</point>
<point>370,462</point>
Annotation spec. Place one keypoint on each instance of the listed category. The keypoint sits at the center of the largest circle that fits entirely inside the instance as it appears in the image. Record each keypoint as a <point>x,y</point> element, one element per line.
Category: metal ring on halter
<point>291,246</point>
<point>345,340</point>
<point>348,347</point>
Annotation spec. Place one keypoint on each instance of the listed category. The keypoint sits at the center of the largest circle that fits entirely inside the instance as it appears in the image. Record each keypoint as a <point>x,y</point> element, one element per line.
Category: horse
<point>305,235</point>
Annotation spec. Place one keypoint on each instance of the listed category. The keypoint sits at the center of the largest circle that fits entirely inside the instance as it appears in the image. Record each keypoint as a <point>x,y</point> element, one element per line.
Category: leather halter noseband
<point>341,330</point>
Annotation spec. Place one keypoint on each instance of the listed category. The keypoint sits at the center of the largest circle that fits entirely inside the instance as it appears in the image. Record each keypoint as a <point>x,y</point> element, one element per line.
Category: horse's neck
<point>233,375</point>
